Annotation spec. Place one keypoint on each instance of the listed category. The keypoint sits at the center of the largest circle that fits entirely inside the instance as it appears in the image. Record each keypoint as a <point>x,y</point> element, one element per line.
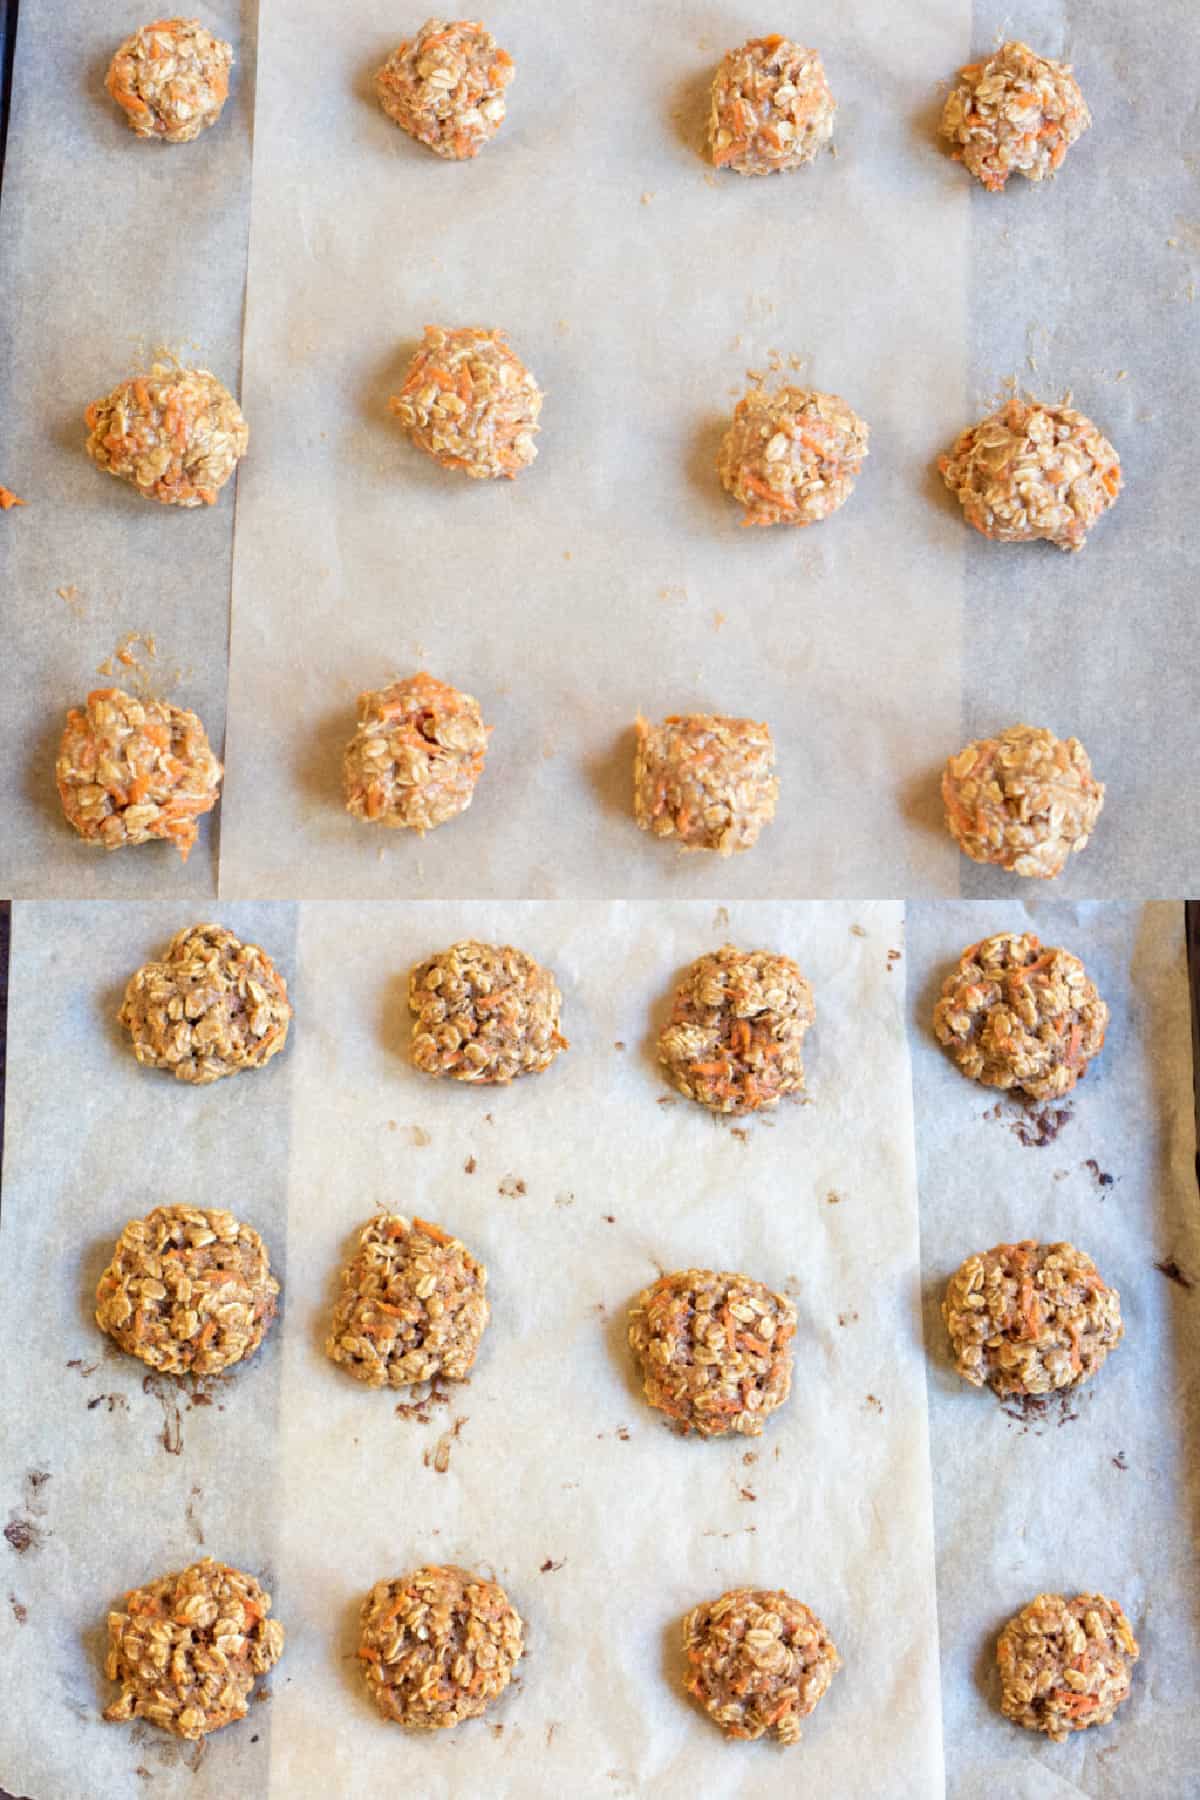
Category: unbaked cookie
<point>188,1648</point>
<point>1065,1664</point>
<point>171,79</point>
<point>412,1306</point>
<point>758,1662</point>
<point>484,1013</point>
<point>130,771</point>
<point>469,402</point>
<point>175,435</point>
<point>706,781</point>
<point>715,1350</point>
<point>1030,1318</point>
<point>1015,113</point>
<point>416,756</point>
<point>1024,800</point>
<point>736,1030</point>
<point>791,457</point>
<point>213,1006</point>
<point>772,108</point>
<point>1016,1016</point>
<point>445,87</point>
<point>1033,471</point>
<point>438,1646</point>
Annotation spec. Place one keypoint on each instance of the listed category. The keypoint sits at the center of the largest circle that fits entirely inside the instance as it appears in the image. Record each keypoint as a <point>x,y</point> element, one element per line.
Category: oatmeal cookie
<point>412,1305</point>
<point>1015,113</point>
<point>1033,471</point>
<point>416,756</point>
<point>791,457</point>
<point>1030,1318</point>
<point>438,1646</point>
<point>212,1007</point>
<point>188,1648</point>
<point>189,1291</point>
<point>1065,1664</point>
<point>1016,1016</point>
<point>736,1030</point>
<point>445,87</point>
<point>171,79</point>
<point>469,402</point>
<point>131,770</point>
<point>176,435</point>
<point>771,107</point>
<point>715,1350</point>
<point>484,1012</point>
<point>758,1661</point>
<point>1023,800</point>
<point>708,782</point>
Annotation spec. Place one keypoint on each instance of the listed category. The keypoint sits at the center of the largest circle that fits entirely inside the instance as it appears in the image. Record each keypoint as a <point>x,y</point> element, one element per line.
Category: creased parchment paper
<point>574,1188</point>
<point>110,248</point>
<point>1104,1492</point>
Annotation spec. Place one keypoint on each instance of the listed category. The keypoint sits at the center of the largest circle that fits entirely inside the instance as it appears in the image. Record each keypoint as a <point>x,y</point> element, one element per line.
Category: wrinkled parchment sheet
<point>110,248</point>
<point>574,1188</point>
<point>1103,1493</point>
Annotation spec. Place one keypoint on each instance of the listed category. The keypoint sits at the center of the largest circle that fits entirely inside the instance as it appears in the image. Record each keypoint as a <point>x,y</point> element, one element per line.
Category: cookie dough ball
<point>470,403</point>
<point>175,435</point>
<point>715,1350</point>
<point>188,1648</point>
<point>131,770</point>
<point>1032,471</point>
<point>1014,114</point>
<point>171,79</point>
<point>438,1646</point>
<point>212,1007</point>
<point>791,457</point>
<point>412,1306</point>
<point>1065,1664</point>
<point>416,756</point>
<point>1024,800</point>
<point>758,1661</point>
<point>1030,1318</point>
<point>445,87</point>
<point>485,1013</point>
<point>1016,1016</point>
<point>708,782</point>
<point>736,1030</point>
<point>771,107</point>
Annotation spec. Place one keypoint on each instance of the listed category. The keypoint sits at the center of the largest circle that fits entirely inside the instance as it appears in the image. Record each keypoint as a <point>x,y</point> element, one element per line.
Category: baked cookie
<point>1030,1318</point>
<point>469,402</point>
<point>412,1306</point>
<point>176,435</point>
<point>1033,471</point>
<point>736,1029</point>
<point>772,108</point>
<point>485,1013</point>
<point>1015,113</point>
<point>1065,1664</point>
<point>446,86</point>
<point>1024,800</point>
<point>438,1646</point>
<point>416,756</point>
<point>758,1662</point>
<point>1016,1016</point>
<point>706,781</point>
<point>130,771</point>
<point>715,1350</point>
<point>212,1007</point>
<point>791,457</point>
<point>171,79</point>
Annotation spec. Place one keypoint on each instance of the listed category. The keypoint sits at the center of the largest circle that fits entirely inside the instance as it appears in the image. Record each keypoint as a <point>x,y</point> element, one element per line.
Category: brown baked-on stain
<point>419,1409</point>
<point>874,1403</point>
<point>438,1458</point>
<point>116,1402</point>
<point>470,1166</point>
<point>1040,1125</point>
<point>1099,1175</point>
<point>1118,1461</point>
<point>167,1395</point>
<point>1034,1412</point>
<point>550,1567</point>
<point>20,1612</point>
<point>1171,1269</point>
<point>511,1187</point>
<point>23,1535</point>
<point>745,1493</point>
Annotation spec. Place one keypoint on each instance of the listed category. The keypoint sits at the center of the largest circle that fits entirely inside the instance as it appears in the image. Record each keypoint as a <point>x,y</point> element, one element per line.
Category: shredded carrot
<point>8,499</point>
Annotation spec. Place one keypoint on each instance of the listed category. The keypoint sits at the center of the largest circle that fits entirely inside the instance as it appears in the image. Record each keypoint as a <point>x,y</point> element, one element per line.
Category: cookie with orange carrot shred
<point>131,771</point>
<point>758,1661</point>
<point>738,1020</point>
<point>1030,1318</point>
<point>484,1013</point>
<point>771,109</point>
<point>446,87</point>
<point>1015,1015</point>
<point>715,1350</point>
<point>1024,800</point>
<point>438,1646</point>
<point>1033,470</point>
<point>469,402</point>
<point>791,457</point>
<point>1014,113</point>
<point>212,1007</point>
<point>413,1305</point>
<point>416,755</point>
<point>171,79</point>
<point>707,781</point>
<point>1065,1665</point>
<point>175,434</point>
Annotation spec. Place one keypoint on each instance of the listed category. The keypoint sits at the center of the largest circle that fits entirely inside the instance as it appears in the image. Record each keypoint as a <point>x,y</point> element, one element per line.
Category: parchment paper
<point>574,1188</point>
<point>109,248</point>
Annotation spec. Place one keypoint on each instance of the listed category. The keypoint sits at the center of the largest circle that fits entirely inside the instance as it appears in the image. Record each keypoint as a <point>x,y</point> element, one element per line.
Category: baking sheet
<point>1103,1492</point>
<point>573,1188</point>
<point>109,248</point>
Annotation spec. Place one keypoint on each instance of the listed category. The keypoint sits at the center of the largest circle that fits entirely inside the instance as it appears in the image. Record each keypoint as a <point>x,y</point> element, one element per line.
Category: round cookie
<point>175,435</point>
<point>791,457</point>
<point>212,1007</point>
<point>706,781</point>
<point>188,1648</point>
<point>445,87</point>
<point>171,79</point>
<point>1015,113</point>
<point>485,1013</point>
<point>1016,1016</point>
<point>771,108</point>
<point>438,1646</point>
<point>715,1350</point>
<point>189,1291</point>
<point>416,755</point>
<point>737,1025</point>
<point>1030,1318</point>
<point>1065,1664</point>
<point>1033,471</point>
<point>130,771</point>
<point>758,1662</point>
<point>469,402</point>
<point>1024,800</point>
<point>412,1306</point>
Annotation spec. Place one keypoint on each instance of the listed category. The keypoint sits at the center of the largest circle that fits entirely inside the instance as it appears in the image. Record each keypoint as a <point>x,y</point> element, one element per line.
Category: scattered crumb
<point>1101,1179</point>
<point>1039,1126</point>
<point>745,1493</point>
<point>551,1728</point>
<point>739,1132</point>
<point>1034,1412</point>
<point>1118,1461</point>
<point>609,1218</point>
<point>511,1187</point>
<point>893,957</point>
<point>833,1198</point>
<point>438,1458</point>
<point>859,930</point>
<point>418,1137</point>
<point>874,1403</point>
<point>470,1166</point>
<point>647,197</point>
<point>847,1318</point>
<point>20,1612</point>
<point>618,1045</point>
<point>549,1567</point>
<point>718,619</point>
<point>566,1198</point>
